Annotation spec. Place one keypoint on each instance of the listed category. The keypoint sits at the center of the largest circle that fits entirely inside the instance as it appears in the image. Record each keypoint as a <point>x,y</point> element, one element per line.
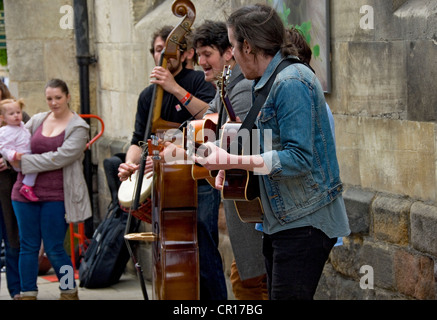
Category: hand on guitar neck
<point>236,179</point>
<point>213,157</point>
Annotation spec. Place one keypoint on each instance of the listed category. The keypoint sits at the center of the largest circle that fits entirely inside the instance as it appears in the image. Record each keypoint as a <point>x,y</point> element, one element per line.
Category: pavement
<point>127,288</point>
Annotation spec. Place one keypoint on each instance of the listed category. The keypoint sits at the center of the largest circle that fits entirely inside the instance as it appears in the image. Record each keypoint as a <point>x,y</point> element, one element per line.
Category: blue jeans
<point>294,262</point>
<point>212,278</point>
<point>41,221</point>
<point>11,260</point>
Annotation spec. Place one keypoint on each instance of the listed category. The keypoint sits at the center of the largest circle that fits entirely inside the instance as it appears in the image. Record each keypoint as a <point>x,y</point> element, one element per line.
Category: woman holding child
<point>59,137</point>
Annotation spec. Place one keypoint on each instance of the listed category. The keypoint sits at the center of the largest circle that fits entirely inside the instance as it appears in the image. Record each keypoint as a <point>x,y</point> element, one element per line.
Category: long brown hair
<point>5,93</point>
<point>261,26</point>
<point>303,49</point>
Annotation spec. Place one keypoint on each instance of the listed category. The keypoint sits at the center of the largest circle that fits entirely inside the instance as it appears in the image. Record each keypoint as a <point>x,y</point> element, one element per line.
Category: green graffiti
<point>305,28</point>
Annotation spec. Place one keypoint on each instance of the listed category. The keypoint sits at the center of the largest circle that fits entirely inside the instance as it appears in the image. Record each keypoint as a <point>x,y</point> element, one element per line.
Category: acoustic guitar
<point>239,185</point>
<point>197,133</point>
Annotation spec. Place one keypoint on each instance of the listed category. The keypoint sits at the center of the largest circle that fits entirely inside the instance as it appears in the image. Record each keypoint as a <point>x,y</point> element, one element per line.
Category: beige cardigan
<point>69,157</point>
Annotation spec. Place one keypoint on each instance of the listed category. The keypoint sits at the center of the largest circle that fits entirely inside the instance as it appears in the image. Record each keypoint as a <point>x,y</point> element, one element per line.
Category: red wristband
<point>187,99</point>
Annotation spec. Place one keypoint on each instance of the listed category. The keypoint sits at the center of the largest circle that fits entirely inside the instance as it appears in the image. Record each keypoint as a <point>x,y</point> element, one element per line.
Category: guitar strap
<point>249,121</point>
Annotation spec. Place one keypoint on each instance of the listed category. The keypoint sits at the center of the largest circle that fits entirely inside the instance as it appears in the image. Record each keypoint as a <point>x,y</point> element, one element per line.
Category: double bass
<point>175,255</point>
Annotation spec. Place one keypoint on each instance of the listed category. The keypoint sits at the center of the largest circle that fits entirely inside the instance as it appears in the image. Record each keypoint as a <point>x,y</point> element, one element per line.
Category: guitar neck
<point>229,109</point>
<point>224,95</point>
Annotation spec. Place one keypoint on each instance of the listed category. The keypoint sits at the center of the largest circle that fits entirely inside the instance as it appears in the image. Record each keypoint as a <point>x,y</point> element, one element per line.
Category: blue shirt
<point>330,219</point>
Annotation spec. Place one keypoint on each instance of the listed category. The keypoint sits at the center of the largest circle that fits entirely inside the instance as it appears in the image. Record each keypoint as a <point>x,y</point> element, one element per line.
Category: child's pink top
<point>49,185</point>
<point>14,139</point>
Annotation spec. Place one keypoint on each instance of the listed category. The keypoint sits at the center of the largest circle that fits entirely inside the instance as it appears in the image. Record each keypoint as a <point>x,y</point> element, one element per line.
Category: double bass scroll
<point>181,9</point>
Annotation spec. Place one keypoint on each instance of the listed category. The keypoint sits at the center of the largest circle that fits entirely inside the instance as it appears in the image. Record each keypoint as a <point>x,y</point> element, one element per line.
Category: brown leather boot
<point>69,295</point>
<point>29,295</point>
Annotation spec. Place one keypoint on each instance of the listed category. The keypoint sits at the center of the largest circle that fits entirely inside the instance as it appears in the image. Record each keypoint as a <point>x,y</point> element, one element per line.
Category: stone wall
<point>40,49</point>
<point>382,97</point>
<point>385,128</point>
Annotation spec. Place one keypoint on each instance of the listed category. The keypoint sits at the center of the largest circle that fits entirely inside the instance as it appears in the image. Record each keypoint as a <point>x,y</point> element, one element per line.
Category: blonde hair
<point>4,102</point>
<point>8,101</point>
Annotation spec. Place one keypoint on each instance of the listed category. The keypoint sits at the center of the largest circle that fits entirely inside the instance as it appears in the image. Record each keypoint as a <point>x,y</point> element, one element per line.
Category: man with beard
<point>186,96</point>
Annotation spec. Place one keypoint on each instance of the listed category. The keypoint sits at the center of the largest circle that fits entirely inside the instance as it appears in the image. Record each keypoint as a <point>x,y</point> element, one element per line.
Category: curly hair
<point>212,34</point>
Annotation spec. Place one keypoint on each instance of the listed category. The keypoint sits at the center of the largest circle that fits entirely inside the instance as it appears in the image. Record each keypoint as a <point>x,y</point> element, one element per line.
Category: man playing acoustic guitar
<point>300,185</point>
<point>210,39</point>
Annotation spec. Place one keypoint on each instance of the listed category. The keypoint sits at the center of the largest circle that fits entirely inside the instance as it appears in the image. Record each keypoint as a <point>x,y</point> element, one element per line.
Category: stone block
<point>37,19</point>
<point>114,104</point>
<point>60,61</point>
<point>422,96</point>
<point>346,26</point>
<point>347,259</point>
<point>417,20</point>
<point>114,60</point>
<point>376,83</point>
<point>379,256</point>
<point>390,156</point>
<point>27,62</point>
<point>423,220</point>
<point>114,21</point>
<point>348,144</point>
<point>388,27</point>
<point>33,94</point>
<point>358,202</point>
<point>396,4</point>
<point>333,286</point>
<point>391,220</point>
<point>142,7</point>
<point>414,275</point>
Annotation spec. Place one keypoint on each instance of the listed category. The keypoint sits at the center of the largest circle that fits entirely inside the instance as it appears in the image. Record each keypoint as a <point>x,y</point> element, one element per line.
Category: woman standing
<point>59,138</point>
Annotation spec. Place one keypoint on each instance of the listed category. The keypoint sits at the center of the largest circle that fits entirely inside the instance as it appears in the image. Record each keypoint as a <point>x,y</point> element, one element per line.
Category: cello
<point>175,256</point>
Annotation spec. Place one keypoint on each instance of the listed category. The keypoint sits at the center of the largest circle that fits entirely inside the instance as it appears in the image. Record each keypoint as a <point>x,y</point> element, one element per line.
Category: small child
<point>15,141</point>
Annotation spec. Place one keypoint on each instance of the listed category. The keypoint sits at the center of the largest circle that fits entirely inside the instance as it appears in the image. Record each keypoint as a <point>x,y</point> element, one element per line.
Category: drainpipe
<point>84,60</point>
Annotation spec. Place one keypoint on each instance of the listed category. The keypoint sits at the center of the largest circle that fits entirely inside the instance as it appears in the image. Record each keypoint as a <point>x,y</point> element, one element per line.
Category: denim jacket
<point>296,143</point>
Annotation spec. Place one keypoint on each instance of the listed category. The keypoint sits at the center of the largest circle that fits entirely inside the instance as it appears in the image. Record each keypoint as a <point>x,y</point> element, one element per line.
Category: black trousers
<point>294,262</point>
